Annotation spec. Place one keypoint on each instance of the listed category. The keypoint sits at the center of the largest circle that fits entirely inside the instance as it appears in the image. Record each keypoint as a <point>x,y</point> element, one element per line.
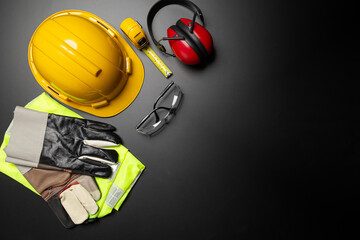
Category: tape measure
<point>134,32</point>
<point>157,61</point>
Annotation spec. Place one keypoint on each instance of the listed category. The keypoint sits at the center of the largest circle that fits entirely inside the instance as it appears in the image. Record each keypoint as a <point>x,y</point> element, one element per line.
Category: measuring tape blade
<point>157,61</point>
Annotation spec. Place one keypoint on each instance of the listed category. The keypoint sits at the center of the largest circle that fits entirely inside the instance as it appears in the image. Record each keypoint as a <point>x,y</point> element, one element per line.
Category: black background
<point>265,146</point>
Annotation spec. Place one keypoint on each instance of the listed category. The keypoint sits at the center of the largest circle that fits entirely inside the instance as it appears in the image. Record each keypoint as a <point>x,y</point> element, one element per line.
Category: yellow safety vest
<point>113,190</point>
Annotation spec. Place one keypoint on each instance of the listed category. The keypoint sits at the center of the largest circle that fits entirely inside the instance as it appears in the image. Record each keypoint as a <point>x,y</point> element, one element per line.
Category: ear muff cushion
<point>188,40</point>
<point>193,37</point>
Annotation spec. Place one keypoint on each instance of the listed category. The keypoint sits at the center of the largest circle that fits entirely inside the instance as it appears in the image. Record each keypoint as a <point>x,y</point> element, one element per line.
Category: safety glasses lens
<point>152,123</point>
<point>165,109</point>
<point>171,98</point>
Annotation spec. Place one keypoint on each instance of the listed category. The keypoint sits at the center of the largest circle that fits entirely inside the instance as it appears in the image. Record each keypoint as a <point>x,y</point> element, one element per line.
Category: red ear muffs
<point>190,41</point>
<point>195,47</point>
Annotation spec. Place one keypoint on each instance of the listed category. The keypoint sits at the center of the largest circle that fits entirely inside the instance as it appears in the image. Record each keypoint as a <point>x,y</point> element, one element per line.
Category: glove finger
<point>101,139</point>
<point>72,206</point>
<point>85,198</point>
<point>56,206</point>
<point>90,167</point>
<point>106,156</point>
<point>90,185</point>
<point>99,126</point>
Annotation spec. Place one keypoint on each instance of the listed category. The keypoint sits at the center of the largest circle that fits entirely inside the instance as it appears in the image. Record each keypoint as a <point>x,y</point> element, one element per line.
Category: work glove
<point>70,196</point>
<point>42,139</point>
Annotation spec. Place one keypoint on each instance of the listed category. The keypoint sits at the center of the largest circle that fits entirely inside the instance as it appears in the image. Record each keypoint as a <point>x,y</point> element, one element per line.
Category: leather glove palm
<point>41,139</point>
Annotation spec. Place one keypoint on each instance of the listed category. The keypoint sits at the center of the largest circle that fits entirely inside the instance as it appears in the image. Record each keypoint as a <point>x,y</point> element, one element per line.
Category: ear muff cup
<point>192,36</point>
<point>197,44</point>
<point>185,50</point>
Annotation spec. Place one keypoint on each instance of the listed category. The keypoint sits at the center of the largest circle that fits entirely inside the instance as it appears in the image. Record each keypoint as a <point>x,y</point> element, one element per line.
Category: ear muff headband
<point>163,3</point>
<point>188,40</point>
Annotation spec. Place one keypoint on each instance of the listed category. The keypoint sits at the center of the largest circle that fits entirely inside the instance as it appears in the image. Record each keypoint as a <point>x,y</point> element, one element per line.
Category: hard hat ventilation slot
<point>53,90</point>
<point>98,73</point>
<point>101,24</point>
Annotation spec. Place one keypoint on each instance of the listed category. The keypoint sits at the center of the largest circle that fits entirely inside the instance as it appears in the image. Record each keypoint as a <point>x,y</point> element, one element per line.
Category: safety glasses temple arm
<point>157,118</point>
<point>163,93</point>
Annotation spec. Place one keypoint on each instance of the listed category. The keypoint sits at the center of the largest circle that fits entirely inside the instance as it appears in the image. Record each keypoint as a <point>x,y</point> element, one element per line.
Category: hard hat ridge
<point>83,62</point>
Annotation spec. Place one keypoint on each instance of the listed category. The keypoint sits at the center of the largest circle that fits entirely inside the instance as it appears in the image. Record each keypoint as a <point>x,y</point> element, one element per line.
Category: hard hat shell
<point>83,62</point>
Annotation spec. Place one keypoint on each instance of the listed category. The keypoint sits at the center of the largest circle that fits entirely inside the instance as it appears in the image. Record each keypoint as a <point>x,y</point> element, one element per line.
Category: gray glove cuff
<point>27,137</point>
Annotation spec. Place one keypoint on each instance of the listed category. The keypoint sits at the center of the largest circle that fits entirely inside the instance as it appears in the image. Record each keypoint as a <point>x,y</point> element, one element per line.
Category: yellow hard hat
<point>83,62</point>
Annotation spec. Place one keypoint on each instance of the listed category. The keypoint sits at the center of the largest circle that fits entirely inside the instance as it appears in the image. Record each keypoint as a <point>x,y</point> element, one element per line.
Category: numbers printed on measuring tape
<point>157,61</point>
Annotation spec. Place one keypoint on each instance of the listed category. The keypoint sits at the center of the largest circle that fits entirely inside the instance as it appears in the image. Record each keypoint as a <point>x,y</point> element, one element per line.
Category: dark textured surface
<point>265,146</point>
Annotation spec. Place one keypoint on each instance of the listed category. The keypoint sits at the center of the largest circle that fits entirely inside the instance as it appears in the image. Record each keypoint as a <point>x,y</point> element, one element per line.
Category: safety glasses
<point>164,109</point>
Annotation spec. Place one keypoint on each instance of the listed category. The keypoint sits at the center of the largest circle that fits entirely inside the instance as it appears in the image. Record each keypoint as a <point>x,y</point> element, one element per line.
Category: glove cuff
<point>27,137</point>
